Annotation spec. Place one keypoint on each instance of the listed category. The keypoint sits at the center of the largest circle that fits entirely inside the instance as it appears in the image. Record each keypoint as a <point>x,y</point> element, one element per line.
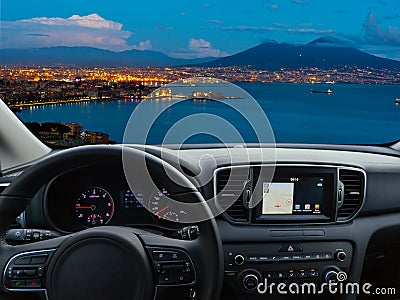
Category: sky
<point>199,28</point>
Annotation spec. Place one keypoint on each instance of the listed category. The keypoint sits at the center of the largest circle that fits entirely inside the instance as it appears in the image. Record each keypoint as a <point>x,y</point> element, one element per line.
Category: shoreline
<point>24,105</point>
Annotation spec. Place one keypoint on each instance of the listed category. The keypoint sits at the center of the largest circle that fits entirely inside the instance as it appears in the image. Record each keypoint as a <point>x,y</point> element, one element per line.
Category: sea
<point>352,114</point>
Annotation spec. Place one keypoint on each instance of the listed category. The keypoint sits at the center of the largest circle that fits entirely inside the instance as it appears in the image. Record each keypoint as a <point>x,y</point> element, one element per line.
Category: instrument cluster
<point>91,197</point>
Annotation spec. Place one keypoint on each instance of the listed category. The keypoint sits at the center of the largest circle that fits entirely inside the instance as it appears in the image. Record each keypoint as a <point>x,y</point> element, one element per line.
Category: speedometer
<point>163,207</point>
<point>94,207</point>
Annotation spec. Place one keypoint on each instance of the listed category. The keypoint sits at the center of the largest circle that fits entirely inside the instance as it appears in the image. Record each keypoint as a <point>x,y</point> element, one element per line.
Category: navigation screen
<point>294,195</point>
<point>277,198</point>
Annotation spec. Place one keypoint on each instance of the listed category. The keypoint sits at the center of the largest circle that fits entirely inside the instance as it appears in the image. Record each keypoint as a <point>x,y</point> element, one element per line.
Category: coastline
<point>63,101</point>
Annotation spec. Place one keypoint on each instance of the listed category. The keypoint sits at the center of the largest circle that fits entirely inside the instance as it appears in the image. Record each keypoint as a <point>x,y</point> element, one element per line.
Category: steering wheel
<point>109,262</point>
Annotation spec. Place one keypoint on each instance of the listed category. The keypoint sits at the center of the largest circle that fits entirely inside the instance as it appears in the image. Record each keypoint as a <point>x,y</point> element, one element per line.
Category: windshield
<point>312,71</point>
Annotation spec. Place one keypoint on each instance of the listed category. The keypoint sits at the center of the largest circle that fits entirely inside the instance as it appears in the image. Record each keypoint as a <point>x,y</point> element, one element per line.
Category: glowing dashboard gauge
<point>94,207</point>
<point>162,207</point>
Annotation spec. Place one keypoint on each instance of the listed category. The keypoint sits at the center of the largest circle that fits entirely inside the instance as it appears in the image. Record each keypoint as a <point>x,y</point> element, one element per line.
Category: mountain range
<point>323,53</point>
<point>91,57</point>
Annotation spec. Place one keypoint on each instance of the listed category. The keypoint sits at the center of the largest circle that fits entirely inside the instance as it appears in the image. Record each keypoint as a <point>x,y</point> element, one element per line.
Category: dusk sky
<point>193,28</point>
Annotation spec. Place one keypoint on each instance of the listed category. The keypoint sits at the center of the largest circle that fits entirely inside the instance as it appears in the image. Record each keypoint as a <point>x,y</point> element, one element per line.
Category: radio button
<point>308,257</point>
<point>252,258</point>
<point>297,257</point>
<point>280,275</point>
<point>286,258</point>
<point>265,258</point>
<point>275,258</point>
<point>269,275</point>
<point>317,256</point>
<point>327,256</point>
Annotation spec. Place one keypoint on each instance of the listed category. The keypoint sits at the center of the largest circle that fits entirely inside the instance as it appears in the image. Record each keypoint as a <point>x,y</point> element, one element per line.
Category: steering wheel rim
<point>206,252</point>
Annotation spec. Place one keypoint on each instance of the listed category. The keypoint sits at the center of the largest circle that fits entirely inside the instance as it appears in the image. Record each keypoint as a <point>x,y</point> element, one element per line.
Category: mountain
<point>91,57</point>
<point>273,56</point>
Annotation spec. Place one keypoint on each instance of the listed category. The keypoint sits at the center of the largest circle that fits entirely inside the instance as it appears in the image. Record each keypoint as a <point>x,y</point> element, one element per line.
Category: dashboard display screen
<point>293,196</point>
<point>132,200</point>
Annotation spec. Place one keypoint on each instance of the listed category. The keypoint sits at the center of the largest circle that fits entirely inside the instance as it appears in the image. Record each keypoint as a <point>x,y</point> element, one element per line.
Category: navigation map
<point>277,198</point>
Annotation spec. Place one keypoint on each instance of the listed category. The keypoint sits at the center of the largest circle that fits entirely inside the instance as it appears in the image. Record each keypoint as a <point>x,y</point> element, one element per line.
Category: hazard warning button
<point>290,248</point>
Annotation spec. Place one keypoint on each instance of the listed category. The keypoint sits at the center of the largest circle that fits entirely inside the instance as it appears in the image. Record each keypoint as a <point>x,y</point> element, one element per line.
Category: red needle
<point>83,207</point>
<point>92,218</point>
<point>161,210</point>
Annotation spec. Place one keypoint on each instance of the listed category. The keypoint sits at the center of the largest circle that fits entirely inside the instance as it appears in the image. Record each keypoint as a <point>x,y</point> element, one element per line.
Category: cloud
<point>301,2</point>
<point>91,31</point>
<point>374,34</point>
<point>215,21</point>
<point>90,21</point>
<point>295,28</point>
<point>391,17</point>
<point>274,7</point>
<point>37,34</point>
<point>145,45</point>
<point>250,28</point>
<point>198,48</point>
<point>312,30</point>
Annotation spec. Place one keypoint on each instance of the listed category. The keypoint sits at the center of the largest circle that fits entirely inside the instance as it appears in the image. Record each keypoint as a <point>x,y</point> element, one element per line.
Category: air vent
<point>227,192</point>
<point>353,182</point>
<point>3,187</point>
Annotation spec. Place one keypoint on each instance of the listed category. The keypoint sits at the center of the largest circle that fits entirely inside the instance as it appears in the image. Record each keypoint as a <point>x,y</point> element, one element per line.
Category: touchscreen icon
<point>316,206</point>
<point>307,206</point>
<point>297,207</point>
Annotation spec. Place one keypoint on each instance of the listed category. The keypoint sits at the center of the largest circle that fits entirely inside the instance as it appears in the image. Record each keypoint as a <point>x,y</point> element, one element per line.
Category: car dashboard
<point>334,210</point>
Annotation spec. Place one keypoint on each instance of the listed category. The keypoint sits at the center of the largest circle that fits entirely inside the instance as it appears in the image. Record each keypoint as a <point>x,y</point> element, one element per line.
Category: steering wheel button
<point>159,255</point>
<point>18,272</point>
<point>165,279</point>
<point>39,259</point>
<point>175,256</point>
<point>25,260</point>
<point>30,272</point>
<point>33,283</point>
<point>17,284</point>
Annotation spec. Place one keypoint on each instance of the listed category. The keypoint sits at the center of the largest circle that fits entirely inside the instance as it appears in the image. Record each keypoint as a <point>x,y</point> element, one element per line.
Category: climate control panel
<point>248,265</point>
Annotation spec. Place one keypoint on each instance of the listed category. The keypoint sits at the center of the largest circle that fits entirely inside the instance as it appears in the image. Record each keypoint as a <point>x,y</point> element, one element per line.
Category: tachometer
<point>94,207</point>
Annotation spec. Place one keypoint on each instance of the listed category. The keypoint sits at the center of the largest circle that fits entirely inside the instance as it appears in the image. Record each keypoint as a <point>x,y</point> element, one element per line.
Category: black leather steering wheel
<point>109,262</point>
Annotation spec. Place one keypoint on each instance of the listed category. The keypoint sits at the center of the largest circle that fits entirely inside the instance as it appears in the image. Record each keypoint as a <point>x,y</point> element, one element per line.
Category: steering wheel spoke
<point>171,259</point>
<point>25,268</point>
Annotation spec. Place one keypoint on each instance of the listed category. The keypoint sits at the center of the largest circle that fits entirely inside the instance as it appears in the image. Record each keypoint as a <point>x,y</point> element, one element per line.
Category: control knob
<point>340,255</point>
<point>239,259</point>
<point>250,281</point>
<point>331,276</point>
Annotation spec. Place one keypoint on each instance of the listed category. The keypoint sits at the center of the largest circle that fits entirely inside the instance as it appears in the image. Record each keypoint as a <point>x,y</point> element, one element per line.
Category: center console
<point>292,206</point>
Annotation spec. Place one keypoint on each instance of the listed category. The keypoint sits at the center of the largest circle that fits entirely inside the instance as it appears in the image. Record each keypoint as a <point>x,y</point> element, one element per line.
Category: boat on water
<point>397,101</point>
<point>328,91</point>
